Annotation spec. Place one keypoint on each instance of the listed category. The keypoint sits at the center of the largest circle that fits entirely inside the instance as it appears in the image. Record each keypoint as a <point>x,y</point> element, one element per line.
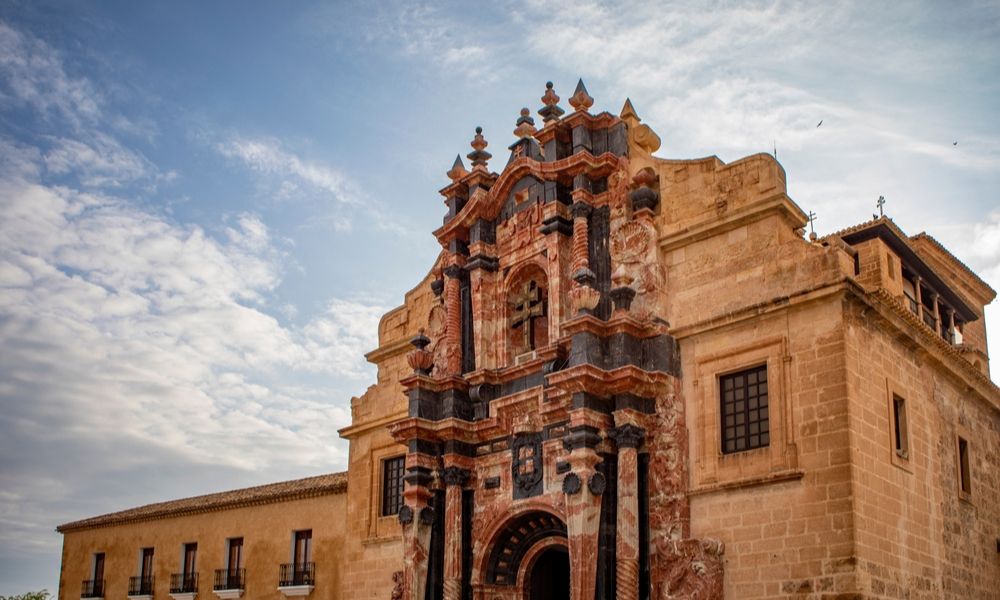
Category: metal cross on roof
<point>812,219</point>
<point>880,203</point>
<point>526,307</point>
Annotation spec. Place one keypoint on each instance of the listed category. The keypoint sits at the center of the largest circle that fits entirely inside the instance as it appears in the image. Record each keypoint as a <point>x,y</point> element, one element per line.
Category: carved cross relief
<point>527,307</point>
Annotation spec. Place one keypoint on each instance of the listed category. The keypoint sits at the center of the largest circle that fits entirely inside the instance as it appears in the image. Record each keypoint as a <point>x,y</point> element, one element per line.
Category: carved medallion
<point>630,242</point>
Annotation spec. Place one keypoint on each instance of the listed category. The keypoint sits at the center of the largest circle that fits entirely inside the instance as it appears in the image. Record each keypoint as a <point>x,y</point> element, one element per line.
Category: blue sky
<point>205,207</point>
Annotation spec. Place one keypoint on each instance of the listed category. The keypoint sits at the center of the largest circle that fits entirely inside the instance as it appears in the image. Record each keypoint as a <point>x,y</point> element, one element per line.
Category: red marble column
<point>417,518</point>
<point>454,479</point>
<point>628,437</point>
<point>453,304</point>
<point>581,258</point>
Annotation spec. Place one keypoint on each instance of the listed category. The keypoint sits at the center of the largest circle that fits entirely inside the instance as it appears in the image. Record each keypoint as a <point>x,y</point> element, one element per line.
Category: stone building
<point>634,377</point>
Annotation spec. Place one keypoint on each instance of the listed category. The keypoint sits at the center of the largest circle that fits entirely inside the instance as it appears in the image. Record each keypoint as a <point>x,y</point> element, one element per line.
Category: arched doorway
<point>548,578</point>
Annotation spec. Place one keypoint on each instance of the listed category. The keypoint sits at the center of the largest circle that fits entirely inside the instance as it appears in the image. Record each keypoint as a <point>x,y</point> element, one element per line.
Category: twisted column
<point>628,437</point>
<point>453,306</point>
<point>580,255</point>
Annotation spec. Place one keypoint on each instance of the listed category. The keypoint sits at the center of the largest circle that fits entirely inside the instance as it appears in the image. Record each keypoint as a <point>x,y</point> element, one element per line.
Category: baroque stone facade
<point>632,377</point>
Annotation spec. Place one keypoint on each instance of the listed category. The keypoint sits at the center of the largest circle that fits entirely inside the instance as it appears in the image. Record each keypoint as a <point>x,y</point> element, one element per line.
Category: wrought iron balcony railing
<point>140,586</point>
<point>230,579</point>
<point>297,574</point>
<point>183,583</point>
<point>92,588</point>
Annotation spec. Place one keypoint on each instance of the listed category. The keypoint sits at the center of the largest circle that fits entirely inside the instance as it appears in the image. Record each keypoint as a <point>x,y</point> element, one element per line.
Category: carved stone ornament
<point>597,484</point>
<point>688,568</point>
<point>427,515</point>
<point>628,436</point>
<point>455,476</point>
<point>397,585</point>
<point>526,465</point>
<point>630,242</point>
<point>420,359</point>
<point>405,515</point>
<point>571,484</point>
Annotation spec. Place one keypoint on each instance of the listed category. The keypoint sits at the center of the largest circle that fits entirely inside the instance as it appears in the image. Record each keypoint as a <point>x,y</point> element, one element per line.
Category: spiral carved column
<point>628,437</point>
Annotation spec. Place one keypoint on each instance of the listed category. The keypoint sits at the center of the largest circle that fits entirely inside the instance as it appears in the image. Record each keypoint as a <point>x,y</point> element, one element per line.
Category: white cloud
<point>135,347</point>
<point>32,74</point>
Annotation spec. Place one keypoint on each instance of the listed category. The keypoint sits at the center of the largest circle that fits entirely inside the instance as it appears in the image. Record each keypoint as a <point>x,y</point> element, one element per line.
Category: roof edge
<point>282,491</point>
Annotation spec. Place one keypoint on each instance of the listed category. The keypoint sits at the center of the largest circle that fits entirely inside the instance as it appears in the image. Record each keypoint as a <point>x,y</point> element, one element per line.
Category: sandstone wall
<point>266,529</point>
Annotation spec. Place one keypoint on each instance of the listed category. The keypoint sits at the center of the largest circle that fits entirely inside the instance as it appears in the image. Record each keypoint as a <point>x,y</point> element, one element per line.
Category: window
<point>143,584</point>
<point>190,556</point>
<point>900,438</point>
<point>745,423</point>
<point>235,554</point>
<point>392,485</point>
<point>302,552</point>
<point>964,472</point>
<point>94,587</point>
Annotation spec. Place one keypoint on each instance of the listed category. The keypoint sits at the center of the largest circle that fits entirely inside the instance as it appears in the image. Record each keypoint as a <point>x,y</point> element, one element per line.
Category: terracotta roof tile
<point>923,235</point>
<point>332,483</point>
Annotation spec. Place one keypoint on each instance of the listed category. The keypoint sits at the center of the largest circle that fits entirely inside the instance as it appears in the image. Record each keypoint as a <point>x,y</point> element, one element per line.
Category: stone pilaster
<point>583,487</point>
<point>628,437</point>
<point>417,518</point>
<point>454,478</point>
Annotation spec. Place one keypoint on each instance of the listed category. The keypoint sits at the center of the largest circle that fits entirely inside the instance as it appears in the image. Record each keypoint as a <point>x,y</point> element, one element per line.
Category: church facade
<point>633,377</point>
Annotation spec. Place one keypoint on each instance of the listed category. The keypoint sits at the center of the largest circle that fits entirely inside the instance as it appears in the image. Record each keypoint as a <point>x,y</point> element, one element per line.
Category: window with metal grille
<point>392,485</point>
<point>745,422</point>
<point>964,471</point>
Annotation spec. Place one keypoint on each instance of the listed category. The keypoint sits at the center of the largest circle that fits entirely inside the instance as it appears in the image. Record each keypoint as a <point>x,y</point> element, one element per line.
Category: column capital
<point>455,476</point>
<point>628,435</point>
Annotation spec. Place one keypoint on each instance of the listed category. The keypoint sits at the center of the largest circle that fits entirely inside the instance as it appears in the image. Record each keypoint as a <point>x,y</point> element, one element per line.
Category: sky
<point>205,207</point>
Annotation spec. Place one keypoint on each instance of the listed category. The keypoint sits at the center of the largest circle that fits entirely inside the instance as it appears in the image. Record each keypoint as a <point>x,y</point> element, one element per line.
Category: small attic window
<point>891,264</point>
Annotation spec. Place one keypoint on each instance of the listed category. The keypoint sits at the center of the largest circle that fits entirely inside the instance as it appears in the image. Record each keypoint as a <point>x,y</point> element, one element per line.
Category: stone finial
<point>628,112</point>
<point>551,110</point>
<point>457,170</point>
<point>581,100</point>
<point>479,155</point>
<point>623,293</point>
<point>644,196</point>
<point>420,359</point>
<point>639,133</point>
<point>525,125</point>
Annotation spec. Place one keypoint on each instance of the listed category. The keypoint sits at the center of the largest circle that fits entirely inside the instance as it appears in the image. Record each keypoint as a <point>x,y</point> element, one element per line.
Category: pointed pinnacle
<point>580,87</point>
<point>457,170</point>
<point>628,111</point>
<point>458,162</point>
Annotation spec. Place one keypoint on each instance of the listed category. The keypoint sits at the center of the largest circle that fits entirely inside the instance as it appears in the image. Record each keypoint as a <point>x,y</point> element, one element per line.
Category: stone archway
<point>545,571</point>
<point>520,544</point>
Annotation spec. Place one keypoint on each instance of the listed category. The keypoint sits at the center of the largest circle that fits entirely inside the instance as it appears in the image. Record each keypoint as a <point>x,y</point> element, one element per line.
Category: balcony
<point>296,579</point>
<point>140,587</point>
<point>229,583</point>
<point>183,586</point>
<point>92,588</point>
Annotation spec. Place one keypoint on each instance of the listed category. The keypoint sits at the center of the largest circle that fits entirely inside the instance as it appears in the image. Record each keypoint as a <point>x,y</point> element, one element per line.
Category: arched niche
<point>516,540</point>
<point>526,302</point>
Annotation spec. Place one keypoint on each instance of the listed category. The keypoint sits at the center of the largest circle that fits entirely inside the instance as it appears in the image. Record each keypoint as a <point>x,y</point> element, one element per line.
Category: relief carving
<point>634,251</point>
<point>690,569</point>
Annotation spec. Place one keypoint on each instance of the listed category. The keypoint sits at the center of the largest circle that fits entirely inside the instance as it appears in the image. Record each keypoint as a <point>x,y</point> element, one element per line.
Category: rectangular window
<point>146,568</point>
<point>964,472</point>
<point>745,423</point>
<point>235,553</point>
<point>98,575</point>
<point>190,557</point>
<point>302,552</point>
<point>899,432</point>
<point>392,485</point>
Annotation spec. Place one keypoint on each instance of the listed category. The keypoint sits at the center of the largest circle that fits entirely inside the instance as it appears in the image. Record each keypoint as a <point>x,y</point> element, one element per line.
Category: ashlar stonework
<point>633,377</point>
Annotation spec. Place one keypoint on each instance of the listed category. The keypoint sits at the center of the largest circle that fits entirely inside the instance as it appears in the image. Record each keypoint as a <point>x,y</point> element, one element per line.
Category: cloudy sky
<point>205,207</point>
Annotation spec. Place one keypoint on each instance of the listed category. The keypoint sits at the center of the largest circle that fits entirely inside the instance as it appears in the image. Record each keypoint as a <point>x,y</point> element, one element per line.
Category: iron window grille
<point>141,585</point>
<point>392,485</point>
<point>183,583</point>
<point>230,579</point>
<point>92,588</point>
<point>745,411</point>
<point>293,574</point>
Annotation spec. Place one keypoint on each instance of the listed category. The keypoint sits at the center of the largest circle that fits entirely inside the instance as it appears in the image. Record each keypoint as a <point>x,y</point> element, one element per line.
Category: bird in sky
<point>954,143</point>
<point>820,123</point>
